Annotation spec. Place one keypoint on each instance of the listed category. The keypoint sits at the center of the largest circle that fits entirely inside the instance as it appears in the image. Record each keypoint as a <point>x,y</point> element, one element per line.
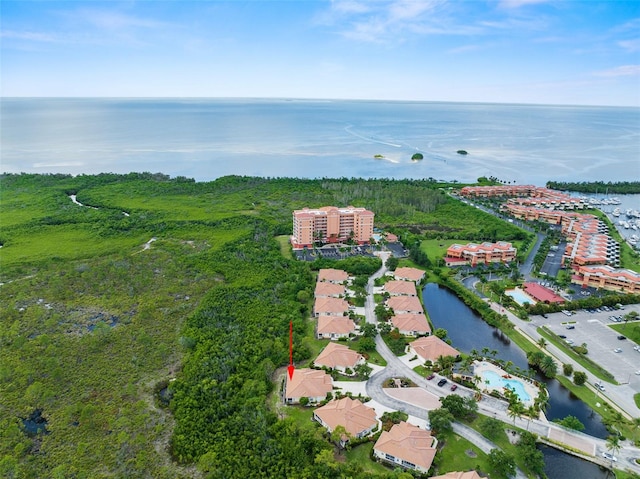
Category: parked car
<point>617,350</point>
<point>562,336</point>
<point>454,387</point>
<point>430,377</point>
<point>571,326</point>
<point>621,337</point>
<point>442,382</point>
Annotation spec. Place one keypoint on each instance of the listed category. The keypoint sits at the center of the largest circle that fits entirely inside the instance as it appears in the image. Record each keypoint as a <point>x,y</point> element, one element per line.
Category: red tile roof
<point>408,442</point>
<point>541,293</point>
<point>337,355</point>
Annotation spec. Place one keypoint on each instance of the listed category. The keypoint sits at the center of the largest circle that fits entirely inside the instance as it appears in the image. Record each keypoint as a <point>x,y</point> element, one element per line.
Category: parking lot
<point>602,341</point>
<point>335,252</point>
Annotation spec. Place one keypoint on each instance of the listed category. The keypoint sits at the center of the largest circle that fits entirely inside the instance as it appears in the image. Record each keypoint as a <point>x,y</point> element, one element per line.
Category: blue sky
<point>506,51</point>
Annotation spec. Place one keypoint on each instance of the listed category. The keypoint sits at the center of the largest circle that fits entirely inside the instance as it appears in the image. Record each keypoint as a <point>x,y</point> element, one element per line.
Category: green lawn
<point>285,247</point>
<point>362,455</point>
<point>456,456</point>
<point>631,330</point>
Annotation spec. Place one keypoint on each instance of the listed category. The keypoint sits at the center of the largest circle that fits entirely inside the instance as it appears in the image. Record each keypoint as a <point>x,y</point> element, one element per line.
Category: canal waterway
<point>559,465</point>
<point>468,331</point>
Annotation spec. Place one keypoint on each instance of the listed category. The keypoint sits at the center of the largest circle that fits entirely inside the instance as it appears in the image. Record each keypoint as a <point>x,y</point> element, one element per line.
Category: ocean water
<point>208,138</point>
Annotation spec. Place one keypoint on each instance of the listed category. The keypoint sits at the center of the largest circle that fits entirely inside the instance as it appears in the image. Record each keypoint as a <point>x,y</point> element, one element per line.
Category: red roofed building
<point>409,274</point>
<point>334,327</point>
<point>313,384</point>
<point>333,275</point>
<point>474,254</point>
<point>325,289</point>
<point>606,277</point>
<point>540,293</point>
<point>338,356</point>
<point>411,324</point>
<point>459,475</point>
<point>405,304</point>
<point>330,307</point>
<point>358,419</point>
<point>400,288</point>
<point>407,446</point>
<point>430,348</point>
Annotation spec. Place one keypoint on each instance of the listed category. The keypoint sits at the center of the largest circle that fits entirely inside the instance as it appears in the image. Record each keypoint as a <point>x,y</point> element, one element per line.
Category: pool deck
<point>482,366</point>
<point>519,296</point>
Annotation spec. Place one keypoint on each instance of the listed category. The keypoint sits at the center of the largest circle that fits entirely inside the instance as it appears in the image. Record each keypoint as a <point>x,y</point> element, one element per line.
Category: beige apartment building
<point>330,224</point>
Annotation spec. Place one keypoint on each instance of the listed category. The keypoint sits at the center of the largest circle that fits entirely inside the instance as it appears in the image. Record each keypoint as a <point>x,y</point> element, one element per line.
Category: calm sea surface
<point>205,139</point>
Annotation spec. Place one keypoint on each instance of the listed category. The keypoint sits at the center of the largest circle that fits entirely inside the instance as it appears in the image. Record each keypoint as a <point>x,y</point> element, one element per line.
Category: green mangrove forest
<point>143,319</point>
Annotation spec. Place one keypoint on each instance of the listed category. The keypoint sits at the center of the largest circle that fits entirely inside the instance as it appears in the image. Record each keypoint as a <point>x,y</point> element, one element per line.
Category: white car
<point>638,372</point>
<point>617,350</point>
<point>610,457</point>
<point>599,386</point>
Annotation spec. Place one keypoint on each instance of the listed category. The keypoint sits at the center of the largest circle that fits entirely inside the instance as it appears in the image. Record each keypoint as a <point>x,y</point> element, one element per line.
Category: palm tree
<point>507,366</point>
<point>485,351</point>
<point>542,401</point>
<point>613,445</point>
<point>542,343</point>
<point>515,411</point>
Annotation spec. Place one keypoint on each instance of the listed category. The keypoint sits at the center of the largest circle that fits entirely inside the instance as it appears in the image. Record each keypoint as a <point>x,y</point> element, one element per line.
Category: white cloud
<point>623,70</point>
<point>519,3</point>
<point>350,6</point>
<point>630,45</point>
<point>29,36</point>
<point>112,20</point>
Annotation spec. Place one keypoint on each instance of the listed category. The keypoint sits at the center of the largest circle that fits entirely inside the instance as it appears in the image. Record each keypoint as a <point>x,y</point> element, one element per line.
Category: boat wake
<point>370,138</point>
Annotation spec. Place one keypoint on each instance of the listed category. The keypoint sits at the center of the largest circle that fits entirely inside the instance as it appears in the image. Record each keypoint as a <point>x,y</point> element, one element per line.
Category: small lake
<point>468,331</point>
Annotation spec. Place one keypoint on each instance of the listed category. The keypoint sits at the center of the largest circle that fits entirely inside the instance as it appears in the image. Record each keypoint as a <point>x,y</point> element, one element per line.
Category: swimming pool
<point>498,382</point>
<point>520,296</point>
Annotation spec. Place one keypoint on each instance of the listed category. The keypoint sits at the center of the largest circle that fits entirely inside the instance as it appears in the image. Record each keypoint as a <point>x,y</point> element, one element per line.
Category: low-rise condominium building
<point>338,356</point>
<point>332,275</point>
<point>407,446</point>
<point>358,419</point>
<point>473,254</point>
<point>314,384</point>
<point>607,277</point>
<point>409,274</point>
<point>334,327</point>
<point>411,324</point>
<point>430,348</point>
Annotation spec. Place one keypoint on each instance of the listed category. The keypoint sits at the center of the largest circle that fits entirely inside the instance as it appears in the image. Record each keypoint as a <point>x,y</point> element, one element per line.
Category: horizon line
<point>308,99</point>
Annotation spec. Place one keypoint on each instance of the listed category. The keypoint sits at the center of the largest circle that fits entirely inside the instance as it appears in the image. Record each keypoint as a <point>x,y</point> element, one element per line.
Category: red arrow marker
<point>291,366</point>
